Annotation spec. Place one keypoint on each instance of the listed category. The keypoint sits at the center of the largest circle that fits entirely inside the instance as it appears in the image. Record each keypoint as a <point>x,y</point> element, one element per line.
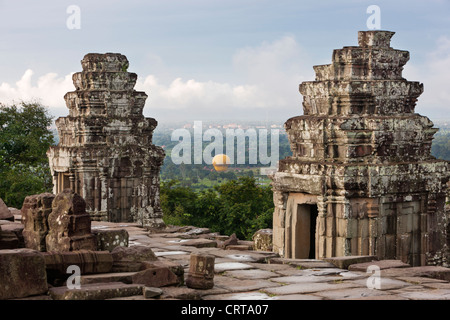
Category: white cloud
<point>435,76</point>
<point>49,90</point>
<point>267,78</point>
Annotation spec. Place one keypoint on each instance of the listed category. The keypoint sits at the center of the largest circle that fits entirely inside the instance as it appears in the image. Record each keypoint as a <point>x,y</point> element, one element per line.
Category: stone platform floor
<point>243,274</point>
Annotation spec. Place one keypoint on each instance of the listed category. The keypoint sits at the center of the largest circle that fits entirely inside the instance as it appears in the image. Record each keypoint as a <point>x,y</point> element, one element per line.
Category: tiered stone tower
<point>105,152</point>
<point>361,180</point>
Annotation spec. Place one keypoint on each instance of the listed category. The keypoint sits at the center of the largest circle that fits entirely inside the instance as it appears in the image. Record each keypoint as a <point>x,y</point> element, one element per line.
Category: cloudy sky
<point>211,59</point>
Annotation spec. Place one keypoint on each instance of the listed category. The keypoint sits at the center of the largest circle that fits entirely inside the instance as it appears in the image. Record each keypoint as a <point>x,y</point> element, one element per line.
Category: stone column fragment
<point>69,224</point>
<point>201,271</point>
<point>35,212</point>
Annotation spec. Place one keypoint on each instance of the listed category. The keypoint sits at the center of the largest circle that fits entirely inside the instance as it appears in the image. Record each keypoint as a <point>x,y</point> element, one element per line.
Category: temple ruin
<point>105,152</point>
<point>361,180</point>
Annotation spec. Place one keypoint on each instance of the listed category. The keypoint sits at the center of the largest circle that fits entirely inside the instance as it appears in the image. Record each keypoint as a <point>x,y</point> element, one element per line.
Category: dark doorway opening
<point>312,231</point>
<point>305,232</point>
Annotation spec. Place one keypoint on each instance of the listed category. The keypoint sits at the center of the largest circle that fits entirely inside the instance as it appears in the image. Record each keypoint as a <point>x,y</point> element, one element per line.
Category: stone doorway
<point>304,227</point>
<point>301,221</point>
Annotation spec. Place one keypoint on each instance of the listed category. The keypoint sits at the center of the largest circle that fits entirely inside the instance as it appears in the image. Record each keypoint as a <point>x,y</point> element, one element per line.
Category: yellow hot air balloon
<point>221,162</point>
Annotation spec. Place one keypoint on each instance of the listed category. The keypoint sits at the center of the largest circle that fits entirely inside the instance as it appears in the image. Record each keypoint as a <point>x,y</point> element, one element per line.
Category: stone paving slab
<point>251,274</point>
<point>424,271</point>
<point>383,264</point>
<point>421,280</point>
<point>240,296</point>
<point>169,253</point>
<point>354,293</point>
<point>432,285</point>
<point>345,262</point>
<point>200,243</point>
<point>185,293</point>
<point>255,275</point>
<point>383,283</point>
<point>125,277</point>
<point>302,263</point>
<point>305,279</point>
<point>309,287</point>
<point>432,294</point>
<point>239,285</point>
<point>298,297</point>
<point>227,266</point>
<point>98,291</point>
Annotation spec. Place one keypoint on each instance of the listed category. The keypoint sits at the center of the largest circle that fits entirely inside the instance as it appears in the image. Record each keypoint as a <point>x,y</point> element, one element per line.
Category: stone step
<point>125,277</point>
<point>8,240</point>
<point>346,261</point>
<point>97,291</point>
<point>200,243</point>
<point>302,263</point>
<point>22,273</point>
<point>435,272</point>
<point>156,277</point>
<point>382,264</point>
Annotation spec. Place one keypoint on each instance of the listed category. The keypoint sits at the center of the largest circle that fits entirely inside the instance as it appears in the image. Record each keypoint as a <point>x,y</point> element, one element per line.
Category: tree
<point>25,138</point>
<point>236,206</point>
<point>177,202</point>
<point>246,207</point>
<point>441,146</point>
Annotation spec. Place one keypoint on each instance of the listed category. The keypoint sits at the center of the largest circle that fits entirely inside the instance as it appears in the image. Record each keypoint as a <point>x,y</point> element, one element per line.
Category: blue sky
<point>209,59</point>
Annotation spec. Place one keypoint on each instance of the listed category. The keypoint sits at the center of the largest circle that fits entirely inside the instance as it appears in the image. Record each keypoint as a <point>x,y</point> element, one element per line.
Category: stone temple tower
<point>105,152</point>
<point>361,180</point>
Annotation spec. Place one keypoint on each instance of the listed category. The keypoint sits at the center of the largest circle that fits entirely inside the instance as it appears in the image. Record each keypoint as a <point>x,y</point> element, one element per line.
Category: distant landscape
<point>200,177</point>
<point>204,176</point>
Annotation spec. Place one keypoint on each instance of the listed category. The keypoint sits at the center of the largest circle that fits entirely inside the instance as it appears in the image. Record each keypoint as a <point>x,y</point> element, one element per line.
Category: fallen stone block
<point>5,213</point>
<point>35,212</point>
<point>345,261</point>
<point>88,261</point>
<point>302,263</point>
<point>17,229</point>
<point>200,243</point>
<point>8,240</point>
<point>181,293</point>
<point>69,224</point>
<point>110,239</point>
<point>176,268</point>
<point>197,231</point>
<point>16,213</point>
<point>125,277</point>
<point>221,238</point>
<point>382,264</point>
<point>41,297</point>
<point>22,274</point>
<point>129,259</point>
<point>151,292</point>
<point>155,277</point>
<point>232,240</point>
<point>98,291</point>
<point>201,271</point>
<point>239,247</point>
<point>263,240</point>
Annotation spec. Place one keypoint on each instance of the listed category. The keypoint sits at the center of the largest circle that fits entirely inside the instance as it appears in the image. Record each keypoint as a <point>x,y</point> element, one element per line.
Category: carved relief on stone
<point>361,149</point>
